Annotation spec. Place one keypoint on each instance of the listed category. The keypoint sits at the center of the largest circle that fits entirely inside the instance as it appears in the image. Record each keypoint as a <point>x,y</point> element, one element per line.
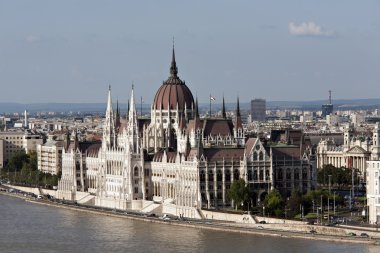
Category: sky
<point>295,50</point>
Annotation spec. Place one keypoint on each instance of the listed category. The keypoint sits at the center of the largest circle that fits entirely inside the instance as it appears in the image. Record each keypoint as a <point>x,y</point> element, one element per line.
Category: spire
<point>196,108</point>
<point>200,147</point>
<point>67,141</point>
<point>109,125</point>
<point>132,128</point>
<point>76,140</point>
<point>117,120</point>
<point>132,105</point>
<point>223,109</point>
<point>173,67</point>
<point>238,123</point>
<point>117,106</point>
<point>238,107</point>
<point>109,100</point>
<point>127,113</point>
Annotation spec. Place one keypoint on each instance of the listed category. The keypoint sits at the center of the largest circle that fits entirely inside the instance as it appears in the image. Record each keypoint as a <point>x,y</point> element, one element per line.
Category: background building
<point>373,191</point>
<point>327,109</point>
<point>258,109</point>
<point>49,156</point>
<point>16,141</point>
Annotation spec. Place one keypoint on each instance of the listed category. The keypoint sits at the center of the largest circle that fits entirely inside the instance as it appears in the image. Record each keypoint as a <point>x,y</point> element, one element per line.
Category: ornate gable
<point>356,150</point>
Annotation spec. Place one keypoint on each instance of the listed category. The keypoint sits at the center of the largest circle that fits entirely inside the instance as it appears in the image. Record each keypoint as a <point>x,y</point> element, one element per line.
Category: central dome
<point>173,92</point>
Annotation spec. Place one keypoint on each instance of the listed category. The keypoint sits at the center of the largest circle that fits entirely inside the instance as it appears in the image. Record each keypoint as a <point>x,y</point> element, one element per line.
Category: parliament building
<point>178,162</point>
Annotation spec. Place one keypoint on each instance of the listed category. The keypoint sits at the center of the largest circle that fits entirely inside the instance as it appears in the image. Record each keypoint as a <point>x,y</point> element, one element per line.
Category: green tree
<point>16,161</point>
<point>239,192</point>
<point>274,203</point>
<point>340,177</point>
<point>293,204</point>
<point>33,160</point>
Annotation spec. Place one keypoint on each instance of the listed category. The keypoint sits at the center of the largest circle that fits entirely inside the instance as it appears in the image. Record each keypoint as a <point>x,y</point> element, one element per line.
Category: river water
<point>27,227</point>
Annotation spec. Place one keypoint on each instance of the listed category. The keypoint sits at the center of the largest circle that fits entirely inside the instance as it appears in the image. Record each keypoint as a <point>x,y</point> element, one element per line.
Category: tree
<point>239,192</point>
<point>33,160</point>
<point>16,161</point>
<point>274,203</point>
<point>293,204</point>
<point>340,177</point>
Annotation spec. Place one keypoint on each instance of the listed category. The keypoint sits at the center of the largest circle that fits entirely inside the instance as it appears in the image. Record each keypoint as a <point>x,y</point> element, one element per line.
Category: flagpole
<point>210,105</point>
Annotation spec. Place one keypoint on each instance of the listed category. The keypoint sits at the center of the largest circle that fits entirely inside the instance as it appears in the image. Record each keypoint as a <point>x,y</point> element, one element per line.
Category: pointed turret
<point>238,123</point>
<point>224,110</point>
<point>132,124</point>
<point>196,113</point>
<point>200,147</point>
<point>109,125</point>
<point>76,140</point>
<point>127,113</point>
<point>67,141</point>
<point>109,100</point>
<point>117,116</point>
<point>173,66</point>
<point>188,146</point>
<point>238,129</point>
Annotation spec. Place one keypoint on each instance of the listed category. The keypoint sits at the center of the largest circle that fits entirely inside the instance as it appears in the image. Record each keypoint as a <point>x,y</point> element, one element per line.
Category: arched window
<point>136,172</point>
<point>279,174</point>
<point>210,176</point>
<point>236,174</point>
<point>249,175</point>
<point>261,156</point>
<point>202,176</point>
<point>254,156</point>
<point>228,176</point>
<point>304,173</point>
<point>288,174</point>
<point>296,174</point>
<point>219,176</point>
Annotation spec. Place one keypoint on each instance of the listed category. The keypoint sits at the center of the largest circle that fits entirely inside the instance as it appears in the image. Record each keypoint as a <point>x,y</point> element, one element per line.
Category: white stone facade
<point>354,153</point>
<point>373,191</point>
<point>49,157</point>
<point>175,161</point>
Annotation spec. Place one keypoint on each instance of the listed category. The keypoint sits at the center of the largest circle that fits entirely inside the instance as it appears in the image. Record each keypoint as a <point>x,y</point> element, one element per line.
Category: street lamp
<point>321,208</point>
<point>334,203</point>
<point>329,184</point>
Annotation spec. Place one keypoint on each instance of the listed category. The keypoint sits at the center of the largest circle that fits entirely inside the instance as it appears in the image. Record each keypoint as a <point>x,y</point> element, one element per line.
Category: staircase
<point>255,219</point>
<point>87,200</point>
<point>200,213</point>
<point>151,208</point>
<point>169,201</point>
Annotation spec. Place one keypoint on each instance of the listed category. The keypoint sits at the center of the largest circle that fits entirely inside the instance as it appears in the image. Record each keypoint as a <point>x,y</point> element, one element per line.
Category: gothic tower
<point>376,142</point>
<point>109,132</point>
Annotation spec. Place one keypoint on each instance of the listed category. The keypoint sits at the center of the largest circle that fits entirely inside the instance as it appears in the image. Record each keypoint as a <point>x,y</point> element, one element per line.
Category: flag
<point>212,98</point>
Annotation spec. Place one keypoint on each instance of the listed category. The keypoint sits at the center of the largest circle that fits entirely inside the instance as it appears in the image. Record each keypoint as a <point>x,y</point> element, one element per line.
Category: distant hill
<point>343,104</point>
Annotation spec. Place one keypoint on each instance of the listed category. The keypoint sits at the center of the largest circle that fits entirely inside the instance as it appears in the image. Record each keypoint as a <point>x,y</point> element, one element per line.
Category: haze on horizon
<point>70,51</point>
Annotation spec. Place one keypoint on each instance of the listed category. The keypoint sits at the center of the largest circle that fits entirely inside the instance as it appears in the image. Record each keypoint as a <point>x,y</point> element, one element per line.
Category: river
<point>27,227</point>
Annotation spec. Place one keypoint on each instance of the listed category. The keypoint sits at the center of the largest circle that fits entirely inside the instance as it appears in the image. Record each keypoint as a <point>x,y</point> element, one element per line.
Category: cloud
<point>32,38</point>
<point>308,29</point>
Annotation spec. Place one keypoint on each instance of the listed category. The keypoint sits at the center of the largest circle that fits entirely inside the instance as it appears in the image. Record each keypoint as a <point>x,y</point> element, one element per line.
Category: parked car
<point>165,217</point>
<point>364,235</point>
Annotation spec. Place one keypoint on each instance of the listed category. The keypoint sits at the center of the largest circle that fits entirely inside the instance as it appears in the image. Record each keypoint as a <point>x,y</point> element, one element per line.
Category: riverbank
<point>259,229</point>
